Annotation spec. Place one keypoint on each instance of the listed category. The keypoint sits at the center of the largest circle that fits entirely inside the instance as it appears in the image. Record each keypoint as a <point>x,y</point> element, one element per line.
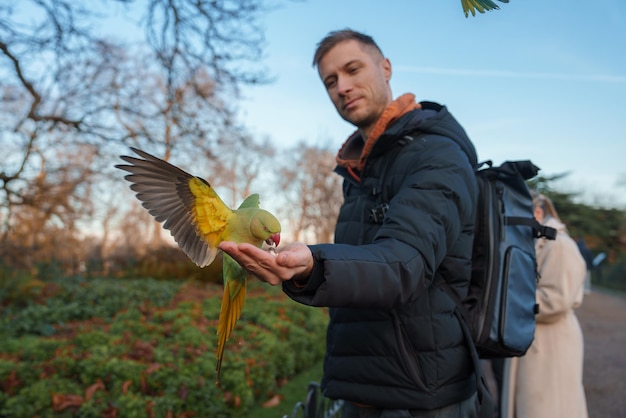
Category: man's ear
<point>386,68</point>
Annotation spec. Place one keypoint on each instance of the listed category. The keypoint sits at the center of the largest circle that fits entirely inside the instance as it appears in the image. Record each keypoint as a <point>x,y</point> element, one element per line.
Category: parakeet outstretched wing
<point>186,205</point>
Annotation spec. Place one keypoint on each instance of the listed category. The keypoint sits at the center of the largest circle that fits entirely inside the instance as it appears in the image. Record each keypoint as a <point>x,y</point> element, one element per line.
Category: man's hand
<point>295,261</point>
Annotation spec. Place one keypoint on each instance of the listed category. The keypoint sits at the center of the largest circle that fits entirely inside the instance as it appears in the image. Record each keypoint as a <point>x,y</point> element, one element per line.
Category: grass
<point>293,392</point>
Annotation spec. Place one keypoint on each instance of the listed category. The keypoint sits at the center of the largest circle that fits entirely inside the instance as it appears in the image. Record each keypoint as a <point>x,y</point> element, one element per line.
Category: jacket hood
<point>425,117</point>
<point>433,118</point>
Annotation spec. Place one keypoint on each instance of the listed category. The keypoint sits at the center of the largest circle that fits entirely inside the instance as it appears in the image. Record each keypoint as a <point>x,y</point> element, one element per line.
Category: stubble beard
<point>360,118</point>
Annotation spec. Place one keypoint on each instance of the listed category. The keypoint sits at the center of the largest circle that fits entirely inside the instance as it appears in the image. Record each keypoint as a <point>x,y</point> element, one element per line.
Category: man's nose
<point>344,85</point>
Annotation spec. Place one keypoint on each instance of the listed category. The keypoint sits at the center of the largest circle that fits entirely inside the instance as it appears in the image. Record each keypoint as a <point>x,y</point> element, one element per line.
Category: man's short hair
<point>335,37</point>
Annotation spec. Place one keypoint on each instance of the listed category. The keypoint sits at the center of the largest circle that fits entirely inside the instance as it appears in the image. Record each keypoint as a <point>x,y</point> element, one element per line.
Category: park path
<point>603,320</point>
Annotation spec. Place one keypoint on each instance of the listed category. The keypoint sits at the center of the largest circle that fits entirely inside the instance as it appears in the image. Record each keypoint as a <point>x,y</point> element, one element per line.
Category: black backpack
<point>500,307</point>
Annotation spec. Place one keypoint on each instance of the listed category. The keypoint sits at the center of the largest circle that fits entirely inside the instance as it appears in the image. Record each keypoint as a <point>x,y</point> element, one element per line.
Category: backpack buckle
<point>377,214</point>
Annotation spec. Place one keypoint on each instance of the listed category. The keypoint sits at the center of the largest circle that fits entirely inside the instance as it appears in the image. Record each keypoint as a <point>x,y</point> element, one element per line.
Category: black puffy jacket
<point>393,340</point>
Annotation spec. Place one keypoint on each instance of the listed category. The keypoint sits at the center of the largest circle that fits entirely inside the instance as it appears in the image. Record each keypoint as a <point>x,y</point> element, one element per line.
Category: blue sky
<point>538,79</point>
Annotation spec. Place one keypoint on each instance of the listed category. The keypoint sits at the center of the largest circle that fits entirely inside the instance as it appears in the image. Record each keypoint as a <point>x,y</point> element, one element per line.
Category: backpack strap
<point>539,230</point>
<point>381,191</point>
<point>485,403</point>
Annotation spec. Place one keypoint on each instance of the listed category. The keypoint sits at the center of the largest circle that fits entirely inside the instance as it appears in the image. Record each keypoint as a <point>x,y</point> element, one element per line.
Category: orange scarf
<point>393,112</point>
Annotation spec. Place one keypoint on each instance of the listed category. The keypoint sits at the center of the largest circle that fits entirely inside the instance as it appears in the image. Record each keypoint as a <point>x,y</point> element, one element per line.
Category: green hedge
<point>100,347</point>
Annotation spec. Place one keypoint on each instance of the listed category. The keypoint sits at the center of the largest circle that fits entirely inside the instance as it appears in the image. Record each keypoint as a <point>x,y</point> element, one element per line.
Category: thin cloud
<point>603,78</point>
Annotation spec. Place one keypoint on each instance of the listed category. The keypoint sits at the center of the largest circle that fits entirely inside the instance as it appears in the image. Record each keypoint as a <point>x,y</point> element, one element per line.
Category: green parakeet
<point>480,5</point>
<point>199,220</point>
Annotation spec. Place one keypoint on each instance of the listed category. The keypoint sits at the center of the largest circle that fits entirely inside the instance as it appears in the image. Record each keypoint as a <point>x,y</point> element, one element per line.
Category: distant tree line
<point>603,229</point>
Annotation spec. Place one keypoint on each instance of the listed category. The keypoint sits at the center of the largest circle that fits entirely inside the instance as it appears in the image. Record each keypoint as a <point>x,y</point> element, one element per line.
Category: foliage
<point>602,229</point>
<point>130,347</point>
<point>55,303</point>
<point>611,276</point>
<point>289,395</point>
<point>160,262</point>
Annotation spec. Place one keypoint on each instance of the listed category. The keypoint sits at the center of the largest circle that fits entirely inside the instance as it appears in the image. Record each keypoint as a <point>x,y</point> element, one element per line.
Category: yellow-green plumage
<point>471,6</point>
<point>199,220</point>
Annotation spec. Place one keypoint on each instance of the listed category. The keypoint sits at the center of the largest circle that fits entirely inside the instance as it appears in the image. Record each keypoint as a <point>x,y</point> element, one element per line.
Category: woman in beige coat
<point>548,381</point>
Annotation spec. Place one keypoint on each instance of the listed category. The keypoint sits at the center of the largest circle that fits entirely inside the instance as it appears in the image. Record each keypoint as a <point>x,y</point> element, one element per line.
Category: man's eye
<point>330,84</point>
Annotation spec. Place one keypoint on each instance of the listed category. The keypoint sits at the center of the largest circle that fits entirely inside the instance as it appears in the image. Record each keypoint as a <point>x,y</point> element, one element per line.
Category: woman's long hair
<point>542,201</point>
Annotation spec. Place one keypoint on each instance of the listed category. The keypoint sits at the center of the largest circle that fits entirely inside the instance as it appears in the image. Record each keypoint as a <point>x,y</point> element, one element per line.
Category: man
<point>394,345</point>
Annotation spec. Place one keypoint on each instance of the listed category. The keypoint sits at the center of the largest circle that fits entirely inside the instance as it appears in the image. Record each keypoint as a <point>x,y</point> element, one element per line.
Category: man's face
<point>356,78</point>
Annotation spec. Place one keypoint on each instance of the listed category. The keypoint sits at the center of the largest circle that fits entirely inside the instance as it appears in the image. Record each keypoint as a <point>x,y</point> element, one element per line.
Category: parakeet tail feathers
<point>232,304</point>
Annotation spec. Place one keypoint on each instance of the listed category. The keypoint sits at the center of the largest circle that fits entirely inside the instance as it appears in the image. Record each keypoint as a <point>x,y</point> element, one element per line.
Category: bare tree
<point>67,87</point>
<point>313,192</point>
<point>49,206</point>
<point>242,169</point>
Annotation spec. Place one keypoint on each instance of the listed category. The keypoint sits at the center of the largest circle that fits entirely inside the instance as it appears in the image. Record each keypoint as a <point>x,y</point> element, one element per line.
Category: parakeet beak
<point>273,240</point>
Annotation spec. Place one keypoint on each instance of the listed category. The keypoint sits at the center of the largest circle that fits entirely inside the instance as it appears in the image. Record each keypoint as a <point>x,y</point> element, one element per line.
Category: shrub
<point>147,348</point>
